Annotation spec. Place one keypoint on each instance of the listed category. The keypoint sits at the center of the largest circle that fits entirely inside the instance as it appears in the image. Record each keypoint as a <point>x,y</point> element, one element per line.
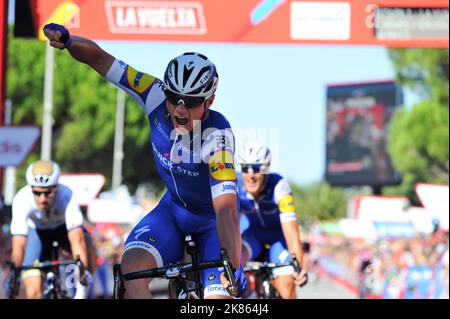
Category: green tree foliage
<point>319,201</point>
<point>425,71</point>
<point>84,115</point>
<point>418,138</point>
<point>418,144</point>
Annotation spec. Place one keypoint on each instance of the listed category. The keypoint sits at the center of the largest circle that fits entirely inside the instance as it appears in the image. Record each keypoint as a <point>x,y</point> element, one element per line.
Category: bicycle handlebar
<point>43,266</point>
<point>51,264</point>
<point>176,270</point>
<point>171,270</point>
<point>261,266</point>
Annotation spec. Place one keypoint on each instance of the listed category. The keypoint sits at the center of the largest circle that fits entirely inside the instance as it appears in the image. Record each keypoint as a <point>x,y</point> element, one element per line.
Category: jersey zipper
<point>258,212</point>
<point>171,172</point>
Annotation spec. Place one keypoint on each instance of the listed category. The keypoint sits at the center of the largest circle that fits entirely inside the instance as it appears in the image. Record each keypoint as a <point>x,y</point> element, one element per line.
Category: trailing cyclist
<point>193,149</point>
<point>269,217</point>
<point>45,211</point>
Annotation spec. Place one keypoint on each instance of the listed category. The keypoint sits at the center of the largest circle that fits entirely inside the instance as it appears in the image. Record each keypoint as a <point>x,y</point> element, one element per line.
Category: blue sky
<point>275,93</point>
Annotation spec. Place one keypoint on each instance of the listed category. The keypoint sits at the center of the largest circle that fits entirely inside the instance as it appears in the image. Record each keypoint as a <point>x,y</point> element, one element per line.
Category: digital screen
<point>357,120</point>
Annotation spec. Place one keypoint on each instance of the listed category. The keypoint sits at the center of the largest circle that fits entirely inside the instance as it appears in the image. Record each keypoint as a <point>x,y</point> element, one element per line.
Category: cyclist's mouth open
<point>181,120</point>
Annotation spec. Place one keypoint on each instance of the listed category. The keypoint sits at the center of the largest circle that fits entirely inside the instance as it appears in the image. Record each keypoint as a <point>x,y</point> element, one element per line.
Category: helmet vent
<point>209,86</point>
<point>187,74</point>
<point>175,66</point>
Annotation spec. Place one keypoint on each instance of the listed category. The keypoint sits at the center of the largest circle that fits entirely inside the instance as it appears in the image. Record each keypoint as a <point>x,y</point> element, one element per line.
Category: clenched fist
<point>58,35</point>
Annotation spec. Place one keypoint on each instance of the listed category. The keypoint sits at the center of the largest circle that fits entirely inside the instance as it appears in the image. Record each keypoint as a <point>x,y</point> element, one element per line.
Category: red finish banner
<point>3,53</point>
<point>399,23</point>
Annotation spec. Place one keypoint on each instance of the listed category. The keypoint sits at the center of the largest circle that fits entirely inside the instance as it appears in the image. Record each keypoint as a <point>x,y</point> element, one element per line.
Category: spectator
<point>399,268</point>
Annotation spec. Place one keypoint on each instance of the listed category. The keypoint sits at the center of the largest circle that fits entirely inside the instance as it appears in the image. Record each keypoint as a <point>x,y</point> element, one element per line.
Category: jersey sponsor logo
<point>122,64</point>
<point>160,129</point>
<point>141,231</point>
<point>223,171</point>
<point>286,204</point>
<point>138,81</point>
<point>211,277</point>
<point>183,171</point>
<point>228,187</point>
<point>218,288</point>
<point>165,161</point>
<point>138,244</point>
<point>162,158</point>
<point>221,166</point>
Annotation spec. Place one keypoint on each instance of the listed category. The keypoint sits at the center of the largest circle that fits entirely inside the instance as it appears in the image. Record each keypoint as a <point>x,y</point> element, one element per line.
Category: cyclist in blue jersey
<point>269,217</point>
<point>193,148</point>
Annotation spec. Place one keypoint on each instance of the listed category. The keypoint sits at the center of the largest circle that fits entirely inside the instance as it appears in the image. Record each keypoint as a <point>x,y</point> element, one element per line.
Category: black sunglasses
<point>254,168</point>
<point>46,193</point>
<point>188,101</point>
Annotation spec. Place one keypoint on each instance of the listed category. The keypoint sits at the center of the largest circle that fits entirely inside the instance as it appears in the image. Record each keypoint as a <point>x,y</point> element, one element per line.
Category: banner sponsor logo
<point>320,20</point>
<point>156,17</point>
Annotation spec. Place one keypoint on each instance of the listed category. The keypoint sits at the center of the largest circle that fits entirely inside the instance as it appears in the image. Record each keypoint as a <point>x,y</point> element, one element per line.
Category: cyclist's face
<point>254,182</point>
<point>44,197</point>
<point>184,118</point>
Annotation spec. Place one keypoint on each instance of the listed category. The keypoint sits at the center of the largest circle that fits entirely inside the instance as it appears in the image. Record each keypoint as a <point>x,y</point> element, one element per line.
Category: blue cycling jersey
<point>261,220</point>
<point>196,167</point>
<point>274,206</point>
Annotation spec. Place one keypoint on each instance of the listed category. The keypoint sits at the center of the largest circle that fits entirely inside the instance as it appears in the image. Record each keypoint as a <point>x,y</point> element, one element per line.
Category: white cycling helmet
<point>191,74</point>
<point>43,174</point>
<point>254,153</point>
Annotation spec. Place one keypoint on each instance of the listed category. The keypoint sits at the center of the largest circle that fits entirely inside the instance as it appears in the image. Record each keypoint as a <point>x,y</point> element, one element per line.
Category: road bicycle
<point>262,276</point>
<point>52,287</point>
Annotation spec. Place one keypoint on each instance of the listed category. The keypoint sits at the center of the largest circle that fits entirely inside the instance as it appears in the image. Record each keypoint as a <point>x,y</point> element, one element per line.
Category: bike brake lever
<point>228,271</point>
<point>11,265</point>
<point>298,269</point>
<point>119,286</point>
<point>295,264</point>
<point>83,279</point>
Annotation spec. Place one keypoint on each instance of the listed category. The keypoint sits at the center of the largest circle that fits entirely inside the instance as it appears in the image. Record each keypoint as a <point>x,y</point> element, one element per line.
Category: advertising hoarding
<point>252,21</point>
<point>357,119</point>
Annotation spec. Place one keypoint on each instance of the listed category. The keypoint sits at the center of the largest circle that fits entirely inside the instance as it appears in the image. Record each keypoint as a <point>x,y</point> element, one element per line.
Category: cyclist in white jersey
<point>193,149</point>
<point>42,212</point>
<point>269,218</point>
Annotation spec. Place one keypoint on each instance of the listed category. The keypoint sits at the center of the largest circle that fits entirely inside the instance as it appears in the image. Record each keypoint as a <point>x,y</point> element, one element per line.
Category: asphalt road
<point>324,288</point>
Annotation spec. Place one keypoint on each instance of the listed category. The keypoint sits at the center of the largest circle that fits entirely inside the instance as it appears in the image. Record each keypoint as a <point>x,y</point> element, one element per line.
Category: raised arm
<point>146,89</point>
<point>81,49</point>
